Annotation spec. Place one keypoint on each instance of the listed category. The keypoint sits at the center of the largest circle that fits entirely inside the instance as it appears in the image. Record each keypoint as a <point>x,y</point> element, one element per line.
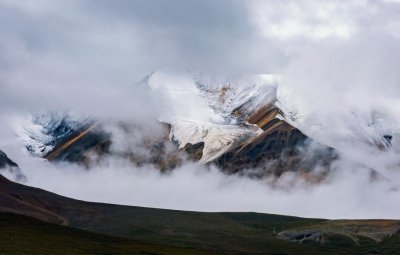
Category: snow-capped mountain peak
<point>212,110</point>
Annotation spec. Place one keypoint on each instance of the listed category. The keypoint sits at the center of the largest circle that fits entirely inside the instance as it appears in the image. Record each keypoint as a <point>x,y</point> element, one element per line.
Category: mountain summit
<point>236,123</point>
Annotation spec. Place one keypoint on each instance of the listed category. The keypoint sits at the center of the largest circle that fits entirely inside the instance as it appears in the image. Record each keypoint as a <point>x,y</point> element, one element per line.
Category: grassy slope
<point>245,233</point>
<point>228,232</point>
<point>24,235</point>
<point>231,233</point>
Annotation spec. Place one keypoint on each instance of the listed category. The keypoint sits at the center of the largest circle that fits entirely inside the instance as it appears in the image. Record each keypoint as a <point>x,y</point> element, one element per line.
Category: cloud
<point>347,193</point>
<point>346,89</point>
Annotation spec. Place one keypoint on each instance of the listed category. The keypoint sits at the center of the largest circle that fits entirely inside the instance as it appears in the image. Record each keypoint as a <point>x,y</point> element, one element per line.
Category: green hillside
<point>24,235</point>
<point>67,226</point>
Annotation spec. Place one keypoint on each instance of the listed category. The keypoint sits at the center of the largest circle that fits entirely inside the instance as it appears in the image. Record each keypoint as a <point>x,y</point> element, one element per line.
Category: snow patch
<point>217,138</point>
<point>211,109</point>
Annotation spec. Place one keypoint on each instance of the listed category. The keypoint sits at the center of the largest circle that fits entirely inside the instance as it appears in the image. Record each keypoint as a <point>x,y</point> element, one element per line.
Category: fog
<point>349,191</point>
<point>338,62</point>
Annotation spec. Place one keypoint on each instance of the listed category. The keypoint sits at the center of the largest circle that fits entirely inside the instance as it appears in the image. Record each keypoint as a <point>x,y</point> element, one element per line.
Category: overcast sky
<point>62,53</point>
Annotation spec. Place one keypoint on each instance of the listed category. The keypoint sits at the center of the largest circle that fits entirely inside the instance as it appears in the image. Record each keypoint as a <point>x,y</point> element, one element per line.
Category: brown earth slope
<point>247,233</point>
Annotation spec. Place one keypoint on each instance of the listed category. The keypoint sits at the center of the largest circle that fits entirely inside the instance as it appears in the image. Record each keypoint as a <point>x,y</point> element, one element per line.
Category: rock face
<point>7,164</point>
<point>80,144</point>
<point>5,161</point>
<point>280,147</point>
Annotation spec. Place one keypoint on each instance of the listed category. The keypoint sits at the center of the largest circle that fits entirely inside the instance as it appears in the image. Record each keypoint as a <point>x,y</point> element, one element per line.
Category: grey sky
<point>48,47</point>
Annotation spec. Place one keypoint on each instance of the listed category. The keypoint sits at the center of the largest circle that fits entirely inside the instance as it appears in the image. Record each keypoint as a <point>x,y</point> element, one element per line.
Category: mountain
<point>236,123</point>
<point>220,233</point>
<point>62,136</point>
<point>5,162</point>
<point>42,131</point>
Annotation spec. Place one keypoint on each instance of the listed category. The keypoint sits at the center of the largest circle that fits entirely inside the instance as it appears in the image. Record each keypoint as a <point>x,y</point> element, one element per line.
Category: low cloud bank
<point>349,191</point>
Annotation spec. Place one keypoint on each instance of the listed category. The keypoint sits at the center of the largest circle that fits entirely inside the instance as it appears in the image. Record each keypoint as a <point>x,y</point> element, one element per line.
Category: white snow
<point>38,130</point>
<point>217,138</point>
<point>199,108</point>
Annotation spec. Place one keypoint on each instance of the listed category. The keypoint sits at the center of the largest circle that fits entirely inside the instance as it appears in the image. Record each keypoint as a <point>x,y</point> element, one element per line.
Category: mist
<point>338,62</point>
<point>348,193</point>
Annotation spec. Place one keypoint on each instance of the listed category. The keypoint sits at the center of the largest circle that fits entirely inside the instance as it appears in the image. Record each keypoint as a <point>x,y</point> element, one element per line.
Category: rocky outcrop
<point>6,164</point>
<point>5,161</point>
<point>344,232</point>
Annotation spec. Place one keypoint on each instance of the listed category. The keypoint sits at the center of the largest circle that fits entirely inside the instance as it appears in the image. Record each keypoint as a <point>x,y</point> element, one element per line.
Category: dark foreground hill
<point>66,226</point>
<point>24,235</point>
